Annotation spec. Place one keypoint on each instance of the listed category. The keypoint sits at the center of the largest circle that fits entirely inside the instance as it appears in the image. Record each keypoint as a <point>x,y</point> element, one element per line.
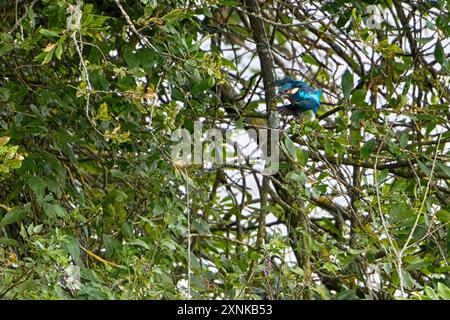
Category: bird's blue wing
<point>308,93</point>
<point>308,99</point>
<point>288,83</point>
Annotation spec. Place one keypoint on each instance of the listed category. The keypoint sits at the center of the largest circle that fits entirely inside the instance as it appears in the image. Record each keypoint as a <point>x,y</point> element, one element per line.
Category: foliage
<point>90,93</point>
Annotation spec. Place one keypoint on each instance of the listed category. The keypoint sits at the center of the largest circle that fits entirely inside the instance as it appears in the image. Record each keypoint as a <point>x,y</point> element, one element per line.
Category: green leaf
<point>201,226</point>
<point>382,175</point>
<point>443,291</point>
<point>169,244</point>
<point>328,147</point>
<point>72,246</point>
<point>5,93</point>
<point>151,3</point>
<point>229,3</point>
<point>299,178</point>
<point>35,110</point>
<point>424,168</point>
<point>139,243</point>
<point>431,293</point>
<point>400,213</point>
<point>59,51</point>
<point>439,55</point>
<point>302,155</point>
<point>404,140</point>
<point>98,80</point>
<point>394,148</point>
<point>211,81</point>
<point>443,215</point>
<point>290,146</point>
<point>309,59</point>
<point>408,280</point>
<point>111,246</point>
<point>200,87</point>
<point>37,185</point>
<point>28,285</point>
<point>88,8</point>
<point>229,64</point>
<point>67,149</point>
<point>130,57</point>
<point>54,209</point>
<point>239,124</point>
<point>358,97</point>
<point>444,168</point>
<point>117,196</point>
<point>48,57</point>
<point>197,282</point>
<point>48,33</point>
<point>347,84</point>
<point>118,174</point>
<point>15,215</point>
<point>9,242</point>
<point>424,40</point>
<point>157,209</point>
<point>356,117</point>
<point>137,72</point>
<point>346,295</point>
<point>367,148</point>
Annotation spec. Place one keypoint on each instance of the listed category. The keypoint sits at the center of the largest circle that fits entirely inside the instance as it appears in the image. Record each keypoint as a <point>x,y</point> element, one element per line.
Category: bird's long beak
<point>278,95</point>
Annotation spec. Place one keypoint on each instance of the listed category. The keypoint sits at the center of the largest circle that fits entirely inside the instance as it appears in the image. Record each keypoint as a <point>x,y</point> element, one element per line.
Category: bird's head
<point>288,87</point>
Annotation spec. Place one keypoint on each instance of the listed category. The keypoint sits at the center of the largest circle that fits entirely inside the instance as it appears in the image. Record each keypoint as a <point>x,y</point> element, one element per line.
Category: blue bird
<point>302,97</point>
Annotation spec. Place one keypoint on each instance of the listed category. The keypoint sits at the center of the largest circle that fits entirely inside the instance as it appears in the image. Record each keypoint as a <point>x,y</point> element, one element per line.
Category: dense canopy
<point>92,205</point>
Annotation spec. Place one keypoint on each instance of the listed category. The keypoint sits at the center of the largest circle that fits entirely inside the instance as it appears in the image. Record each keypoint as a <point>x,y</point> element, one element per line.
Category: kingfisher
<point>301,96</point>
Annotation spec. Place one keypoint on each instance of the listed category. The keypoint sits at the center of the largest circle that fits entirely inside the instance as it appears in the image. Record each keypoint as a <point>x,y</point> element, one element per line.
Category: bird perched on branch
<point>302,97</point>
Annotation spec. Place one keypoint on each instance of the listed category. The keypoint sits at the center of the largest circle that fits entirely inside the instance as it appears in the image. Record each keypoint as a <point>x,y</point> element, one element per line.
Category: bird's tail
<point>287,110</point>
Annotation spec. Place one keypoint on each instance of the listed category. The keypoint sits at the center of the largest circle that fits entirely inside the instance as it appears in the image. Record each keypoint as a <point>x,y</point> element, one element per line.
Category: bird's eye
<point>293,90</point>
